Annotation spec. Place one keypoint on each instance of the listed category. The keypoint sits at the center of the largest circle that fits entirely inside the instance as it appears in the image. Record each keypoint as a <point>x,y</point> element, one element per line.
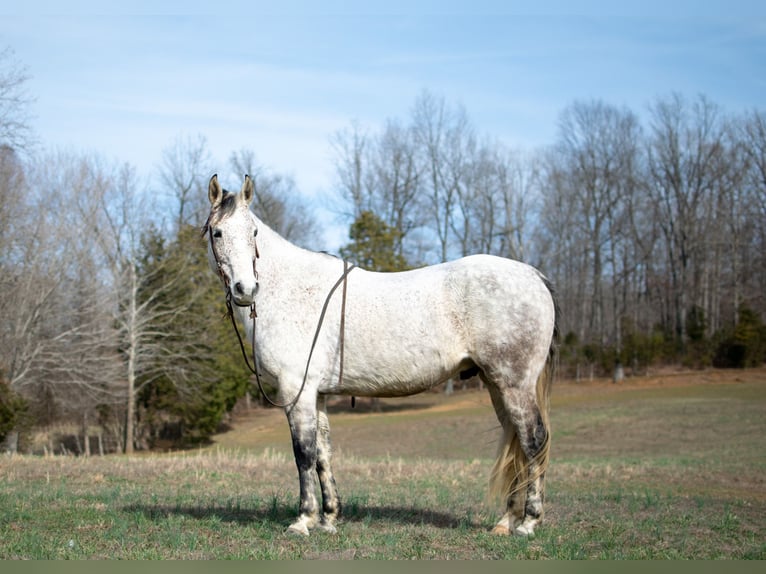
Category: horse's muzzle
<point>243,295</point>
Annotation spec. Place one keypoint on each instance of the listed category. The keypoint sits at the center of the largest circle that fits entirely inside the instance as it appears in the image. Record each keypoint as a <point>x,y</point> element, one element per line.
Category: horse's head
<point>231,229</point>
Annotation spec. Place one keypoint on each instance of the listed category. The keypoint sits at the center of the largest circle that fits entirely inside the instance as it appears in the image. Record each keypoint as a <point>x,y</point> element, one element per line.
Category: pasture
<point>665,467</point>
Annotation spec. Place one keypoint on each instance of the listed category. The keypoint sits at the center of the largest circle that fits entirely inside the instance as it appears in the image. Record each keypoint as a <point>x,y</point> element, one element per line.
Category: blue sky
<point>281,78</point>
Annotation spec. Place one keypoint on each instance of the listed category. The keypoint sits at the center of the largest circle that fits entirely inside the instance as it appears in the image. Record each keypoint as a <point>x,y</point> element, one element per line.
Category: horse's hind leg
<point>330,499</point>
<point>519,470</point>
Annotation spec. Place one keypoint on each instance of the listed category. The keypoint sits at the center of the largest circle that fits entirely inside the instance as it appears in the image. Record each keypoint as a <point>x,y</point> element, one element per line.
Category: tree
<point>493,203</point>
<point>201,374</point>
<point>751,132</point>
<point>13,409</point>
<point>151,291</point>
<point>277,201</point>
<point>382,175</point>
<point>351,168</point>
<point>686,162</point>
<point>597,149</point>
<point>15,129</point>
<point>185,169</point>
<point>57,347</point>
<point>443,136</point>
<point>373,244</point>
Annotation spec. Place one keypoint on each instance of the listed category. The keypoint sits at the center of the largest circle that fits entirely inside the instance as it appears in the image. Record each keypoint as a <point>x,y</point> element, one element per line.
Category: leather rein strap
<point>253,368</point>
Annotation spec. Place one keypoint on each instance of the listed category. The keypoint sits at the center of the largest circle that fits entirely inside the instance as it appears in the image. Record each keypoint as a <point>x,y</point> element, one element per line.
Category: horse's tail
<point>510,474</point>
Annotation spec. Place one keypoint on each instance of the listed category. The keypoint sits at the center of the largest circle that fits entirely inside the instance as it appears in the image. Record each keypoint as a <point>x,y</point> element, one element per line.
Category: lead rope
<point>253,315</point>
<point>254,368</point>
<point>343,328</point>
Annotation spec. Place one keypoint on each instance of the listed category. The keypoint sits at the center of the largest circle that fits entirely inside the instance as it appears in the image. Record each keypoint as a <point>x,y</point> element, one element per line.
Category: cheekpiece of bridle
<point>222,274</point>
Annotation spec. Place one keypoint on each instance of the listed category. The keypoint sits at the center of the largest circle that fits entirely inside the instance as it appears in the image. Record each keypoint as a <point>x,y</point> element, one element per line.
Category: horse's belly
<point>389,389</point>
<point>409,374</point>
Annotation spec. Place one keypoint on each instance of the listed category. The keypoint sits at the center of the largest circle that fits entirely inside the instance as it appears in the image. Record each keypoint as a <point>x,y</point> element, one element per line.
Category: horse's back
<point>473,292</point>
<point>429,323</point>
<point>495,284</point>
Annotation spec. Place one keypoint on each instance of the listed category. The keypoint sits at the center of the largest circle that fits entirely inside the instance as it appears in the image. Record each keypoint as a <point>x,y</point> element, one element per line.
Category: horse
<point>388,335</point>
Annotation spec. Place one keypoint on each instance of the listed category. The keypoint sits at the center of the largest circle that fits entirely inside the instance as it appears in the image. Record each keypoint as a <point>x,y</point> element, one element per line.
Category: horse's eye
<point>255,233</point>
<point>217,233</point>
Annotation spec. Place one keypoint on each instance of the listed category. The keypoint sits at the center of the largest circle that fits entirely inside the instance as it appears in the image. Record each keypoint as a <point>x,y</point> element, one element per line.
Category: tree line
<point>652,228</point>
<point>651,231</point>
<point>112,320</point>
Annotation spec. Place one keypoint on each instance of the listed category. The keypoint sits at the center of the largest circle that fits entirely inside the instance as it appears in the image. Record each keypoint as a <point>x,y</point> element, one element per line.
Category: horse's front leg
<point>302,418</point>
<point>330,499</point>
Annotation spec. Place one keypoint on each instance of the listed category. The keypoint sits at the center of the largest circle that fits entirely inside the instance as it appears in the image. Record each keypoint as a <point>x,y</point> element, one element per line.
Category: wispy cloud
<point>281,81</point>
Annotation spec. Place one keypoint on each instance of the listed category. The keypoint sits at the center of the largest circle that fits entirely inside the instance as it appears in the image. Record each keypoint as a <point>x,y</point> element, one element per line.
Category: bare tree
<point>518,182</point>
<point>459,159</point>
<point>752,135</point>
<point>382,174</point>
<point>443,136</point>
<point>14,213</point>
<point>396,180</point>
<point>58,349</point>
<point>589,186</point>
<point>151,292</point>
<point>481,203</point>
<point>184,172</point>
<point>493,201</point>
<point>350,147</point>
<point>435,183</point>
<point>277,200</point>
<point>686,171</point>
<point>561,241</point>
<point>15,101</point>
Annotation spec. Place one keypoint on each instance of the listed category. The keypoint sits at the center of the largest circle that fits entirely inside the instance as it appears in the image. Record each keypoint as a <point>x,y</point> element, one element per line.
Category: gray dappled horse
<point>389,335</point>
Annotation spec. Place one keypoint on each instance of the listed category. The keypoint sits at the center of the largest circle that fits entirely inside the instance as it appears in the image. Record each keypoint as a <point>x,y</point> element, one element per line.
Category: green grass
<point>658,473</point>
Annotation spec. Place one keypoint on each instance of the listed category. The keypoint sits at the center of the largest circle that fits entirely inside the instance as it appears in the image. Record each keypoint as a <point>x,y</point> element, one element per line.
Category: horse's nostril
<point>238,288</point>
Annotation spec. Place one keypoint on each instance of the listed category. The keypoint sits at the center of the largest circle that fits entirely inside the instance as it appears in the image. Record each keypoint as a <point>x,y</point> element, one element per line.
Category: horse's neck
<point>281,259</point>
<point>273,247</point>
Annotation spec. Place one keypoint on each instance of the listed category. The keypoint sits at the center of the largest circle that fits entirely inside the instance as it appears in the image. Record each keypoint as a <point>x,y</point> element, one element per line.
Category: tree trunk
<point>619,373</point>
<point>130,410</point>
<point>85,437</point>
<point>11,443</point>
<point>130,416</point>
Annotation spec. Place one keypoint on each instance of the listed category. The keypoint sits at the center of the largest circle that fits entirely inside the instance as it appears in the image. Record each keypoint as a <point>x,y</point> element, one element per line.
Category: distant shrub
<point>745,345</point>
<point>13,409</point>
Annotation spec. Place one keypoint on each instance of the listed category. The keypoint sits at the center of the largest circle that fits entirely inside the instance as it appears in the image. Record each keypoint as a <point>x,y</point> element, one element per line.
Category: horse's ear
<point>248,190</point>
<point>214,191</point>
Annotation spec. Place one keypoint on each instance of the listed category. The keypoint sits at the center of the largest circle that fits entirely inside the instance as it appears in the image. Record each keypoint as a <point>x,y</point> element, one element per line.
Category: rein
<point>343,279</point>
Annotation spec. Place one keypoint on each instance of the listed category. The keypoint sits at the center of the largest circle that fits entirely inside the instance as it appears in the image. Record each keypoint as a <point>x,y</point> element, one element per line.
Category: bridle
<point>254,367</point>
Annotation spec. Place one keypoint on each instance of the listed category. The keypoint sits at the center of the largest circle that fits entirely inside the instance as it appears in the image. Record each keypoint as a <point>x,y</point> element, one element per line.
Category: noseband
<point>254,368</point>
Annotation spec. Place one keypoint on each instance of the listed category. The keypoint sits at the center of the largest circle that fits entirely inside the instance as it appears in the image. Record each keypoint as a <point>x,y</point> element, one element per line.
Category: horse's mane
<point>226,207</point>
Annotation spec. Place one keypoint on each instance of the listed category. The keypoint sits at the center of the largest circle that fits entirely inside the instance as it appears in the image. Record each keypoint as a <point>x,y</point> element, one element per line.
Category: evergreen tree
<point>13,409</point>
<point>373,244</point>
<point>201,375</point>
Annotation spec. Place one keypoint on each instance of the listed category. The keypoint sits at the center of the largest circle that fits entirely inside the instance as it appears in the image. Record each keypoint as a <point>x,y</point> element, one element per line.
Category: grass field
<point>661,467</point>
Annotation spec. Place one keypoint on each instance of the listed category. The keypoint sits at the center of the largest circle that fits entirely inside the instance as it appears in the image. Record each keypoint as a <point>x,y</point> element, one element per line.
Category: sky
<point>280,78</point>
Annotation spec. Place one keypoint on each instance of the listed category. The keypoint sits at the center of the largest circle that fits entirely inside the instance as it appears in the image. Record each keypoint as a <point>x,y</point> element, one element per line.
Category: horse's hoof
<point>525,531</point>
<point>501,530</point>
<point>298,529</point>
<point>327,528</point>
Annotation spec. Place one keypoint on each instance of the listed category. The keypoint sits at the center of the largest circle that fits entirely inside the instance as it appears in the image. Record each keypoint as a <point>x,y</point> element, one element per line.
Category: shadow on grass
<point>279,514</point>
